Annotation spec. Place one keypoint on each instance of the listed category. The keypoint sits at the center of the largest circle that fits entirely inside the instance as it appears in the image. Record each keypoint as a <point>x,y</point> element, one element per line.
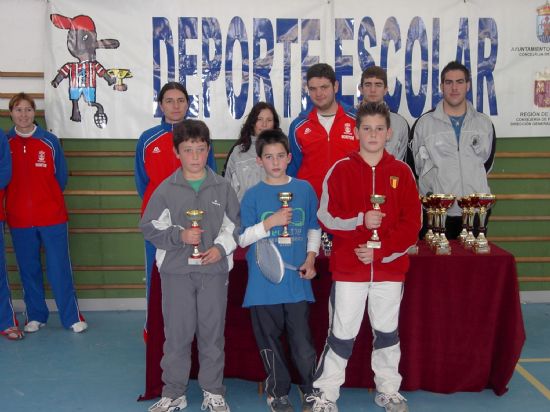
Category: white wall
<point>22,28</point>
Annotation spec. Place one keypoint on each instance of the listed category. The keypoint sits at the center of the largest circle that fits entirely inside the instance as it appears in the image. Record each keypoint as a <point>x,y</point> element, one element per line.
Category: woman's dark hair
<point>247,130</point>
<point>172,86</point>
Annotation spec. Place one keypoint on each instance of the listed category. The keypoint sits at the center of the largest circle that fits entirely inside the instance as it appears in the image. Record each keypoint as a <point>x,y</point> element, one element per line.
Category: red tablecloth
<point>461,325</point>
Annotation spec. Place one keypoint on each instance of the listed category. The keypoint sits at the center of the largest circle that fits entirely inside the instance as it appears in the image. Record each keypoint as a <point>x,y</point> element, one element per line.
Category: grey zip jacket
<point>242,170</point>
<point>444,165</point>
<point>165,217</point>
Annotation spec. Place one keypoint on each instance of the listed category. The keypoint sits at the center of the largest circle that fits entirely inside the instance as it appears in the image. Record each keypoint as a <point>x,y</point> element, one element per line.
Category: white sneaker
<point>391,402</point>
<point>168,404</point>
<point>79,327</point>
<point>33,326</point>
<point>214,402</point>
<point>320,403</point>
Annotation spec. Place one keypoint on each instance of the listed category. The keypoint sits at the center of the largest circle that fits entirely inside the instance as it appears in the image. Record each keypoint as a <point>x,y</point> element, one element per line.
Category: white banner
<point>232,54</point>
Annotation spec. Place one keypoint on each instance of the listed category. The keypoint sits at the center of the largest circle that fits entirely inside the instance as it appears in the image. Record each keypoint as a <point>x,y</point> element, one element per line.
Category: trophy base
<point>443,250</point>
<point>120,87</point>
<point>194,261</point>
<point>284,240</point>
<point>374,244</point>
<point>481,249</point>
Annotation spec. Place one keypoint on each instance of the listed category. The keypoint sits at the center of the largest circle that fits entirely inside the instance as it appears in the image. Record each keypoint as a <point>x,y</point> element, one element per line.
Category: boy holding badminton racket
<point>279,222</point>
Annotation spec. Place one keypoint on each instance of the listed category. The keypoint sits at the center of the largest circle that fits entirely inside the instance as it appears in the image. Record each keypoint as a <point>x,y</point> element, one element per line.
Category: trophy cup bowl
<point>464,204</point>
<point>284,237</point>
<point>445,201</point>
<point>195,216</point>
<point>485,202</point>
<point>376,200</point>
<point>120,75</point>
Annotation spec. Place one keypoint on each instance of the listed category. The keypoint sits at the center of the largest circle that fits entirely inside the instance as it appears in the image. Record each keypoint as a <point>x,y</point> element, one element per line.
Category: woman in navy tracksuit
<point>37,216</point>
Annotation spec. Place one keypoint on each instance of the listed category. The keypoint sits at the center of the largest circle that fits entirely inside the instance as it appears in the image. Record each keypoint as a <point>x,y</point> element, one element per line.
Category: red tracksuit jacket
<point>34,196</point>
<point>345,200</point>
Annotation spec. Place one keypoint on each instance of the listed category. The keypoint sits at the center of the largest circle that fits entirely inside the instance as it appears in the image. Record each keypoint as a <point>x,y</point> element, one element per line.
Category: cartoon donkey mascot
<point>82,43</point>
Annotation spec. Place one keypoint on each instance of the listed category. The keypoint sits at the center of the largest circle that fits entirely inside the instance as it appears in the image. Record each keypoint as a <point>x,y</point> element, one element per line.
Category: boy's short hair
<point>372,109</point>
<point>191,130</point>
<point>455,66</point>
<point>271,137</point>
<point>321,70</point>
<point>376,72</point>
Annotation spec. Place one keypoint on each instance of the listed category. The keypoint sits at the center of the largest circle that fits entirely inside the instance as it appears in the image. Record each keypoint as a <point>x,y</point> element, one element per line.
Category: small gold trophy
<point>486,201</point>
<point>195,216</point>
<point>470,238</point>
<point>284,238</point>
<point>374,242</point>
<point>428,204</point>
<point>120,75</point>
<point>444,202</point>
<point>464,203</point>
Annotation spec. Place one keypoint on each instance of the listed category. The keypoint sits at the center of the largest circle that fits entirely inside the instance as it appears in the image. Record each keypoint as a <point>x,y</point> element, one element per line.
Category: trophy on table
<point>120,75</point>
<point>464,203</point>
<point>374,242</point>
<point>441,245</point>
<point>428,204</point>
<point>485,202</point>
<point>284,238</point>
<point>195,216</point>
<point>326,243</point>
<point>470,239</point>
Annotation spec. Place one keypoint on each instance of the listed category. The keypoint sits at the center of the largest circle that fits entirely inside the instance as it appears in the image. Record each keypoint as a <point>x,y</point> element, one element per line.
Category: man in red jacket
<point>323,135</point>
<point>363,267</point>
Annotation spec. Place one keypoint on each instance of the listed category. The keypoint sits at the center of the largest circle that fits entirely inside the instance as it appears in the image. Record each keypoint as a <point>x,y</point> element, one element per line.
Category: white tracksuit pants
<point>346,309</point>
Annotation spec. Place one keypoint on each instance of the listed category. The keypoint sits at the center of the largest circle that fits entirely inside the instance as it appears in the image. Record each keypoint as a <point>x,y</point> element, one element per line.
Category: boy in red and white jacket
<point>359,271</point>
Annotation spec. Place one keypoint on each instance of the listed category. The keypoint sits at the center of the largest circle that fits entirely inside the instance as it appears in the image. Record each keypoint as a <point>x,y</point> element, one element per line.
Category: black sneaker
<point>281,404</point>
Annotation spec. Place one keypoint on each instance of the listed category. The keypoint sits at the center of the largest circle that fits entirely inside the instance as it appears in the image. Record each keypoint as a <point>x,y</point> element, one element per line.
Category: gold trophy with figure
<point>464,203</point>
<point>470,239</point>
<point>444,202</point>
<point>485,201</point>
<point>428,204</point>
<point>284,238</point>
<point>374,242</point>
<point>120,75</point>
<point>195,216</point>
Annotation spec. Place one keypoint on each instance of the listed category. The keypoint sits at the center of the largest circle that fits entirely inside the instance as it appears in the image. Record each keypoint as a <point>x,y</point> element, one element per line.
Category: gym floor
<point>103,369</point>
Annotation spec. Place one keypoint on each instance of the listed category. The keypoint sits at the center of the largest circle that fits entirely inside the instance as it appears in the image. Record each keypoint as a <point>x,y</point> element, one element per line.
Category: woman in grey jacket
<point>240,167</point>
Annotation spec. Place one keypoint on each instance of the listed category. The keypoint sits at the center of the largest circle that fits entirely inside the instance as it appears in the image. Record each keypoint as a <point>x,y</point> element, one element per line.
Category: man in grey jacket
<point>453,145</point>
<point>194,289</point>
<point>373,88</point>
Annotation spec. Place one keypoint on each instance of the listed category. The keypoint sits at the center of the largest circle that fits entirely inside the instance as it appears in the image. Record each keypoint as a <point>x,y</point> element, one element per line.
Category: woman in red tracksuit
<point>37,216</point>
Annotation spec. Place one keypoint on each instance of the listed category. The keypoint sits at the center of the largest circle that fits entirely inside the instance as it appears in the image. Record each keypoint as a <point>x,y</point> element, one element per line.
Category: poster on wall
<point>105,62</point>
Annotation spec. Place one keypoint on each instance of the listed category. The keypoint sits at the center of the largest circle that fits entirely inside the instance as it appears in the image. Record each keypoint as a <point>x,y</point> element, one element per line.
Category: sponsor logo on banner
<point>543,23</point>
<point>542,88</point>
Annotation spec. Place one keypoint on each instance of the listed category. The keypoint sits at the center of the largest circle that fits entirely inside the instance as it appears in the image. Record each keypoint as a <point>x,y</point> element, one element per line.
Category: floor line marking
<point>533,381</point>
<point>529,360</point>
